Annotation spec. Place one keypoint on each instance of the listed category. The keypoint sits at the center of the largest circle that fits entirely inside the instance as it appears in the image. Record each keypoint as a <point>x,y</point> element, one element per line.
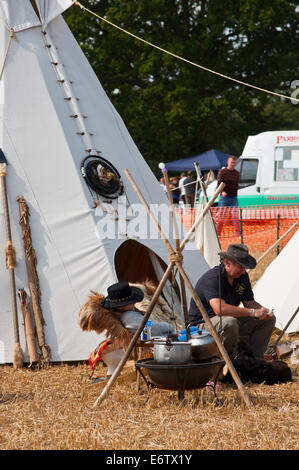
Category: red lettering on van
<point>289,138</point>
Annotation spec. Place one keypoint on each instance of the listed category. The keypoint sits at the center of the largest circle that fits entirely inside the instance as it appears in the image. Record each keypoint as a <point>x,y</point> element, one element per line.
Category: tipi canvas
<point>278,286</point>
<point>67,149</point>
<point>205,237</point>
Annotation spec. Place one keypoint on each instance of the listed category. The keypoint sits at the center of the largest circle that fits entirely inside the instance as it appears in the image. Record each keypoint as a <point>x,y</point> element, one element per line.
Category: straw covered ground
<point>52,409</point>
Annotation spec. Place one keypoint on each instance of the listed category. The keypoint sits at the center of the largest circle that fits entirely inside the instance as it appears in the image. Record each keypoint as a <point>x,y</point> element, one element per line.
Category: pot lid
<point>168,342</point>
<point>201,334</point>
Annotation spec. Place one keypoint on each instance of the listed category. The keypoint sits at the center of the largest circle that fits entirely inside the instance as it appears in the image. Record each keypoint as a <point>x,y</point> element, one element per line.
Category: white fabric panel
<point>18,15</point>
<point>205,237</point>
<point>278,286</point>
<point>49,10</point>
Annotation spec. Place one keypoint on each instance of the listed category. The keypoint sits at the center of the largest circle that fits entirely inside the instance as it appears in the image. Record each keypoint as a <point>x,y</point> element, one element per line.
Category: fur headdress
<point>93,316</point>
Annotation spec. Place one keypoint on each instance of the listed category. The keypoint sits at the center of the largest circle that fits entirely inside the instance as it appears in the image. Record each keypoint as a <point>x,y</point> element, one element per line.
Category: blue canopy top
<point>210,160</point>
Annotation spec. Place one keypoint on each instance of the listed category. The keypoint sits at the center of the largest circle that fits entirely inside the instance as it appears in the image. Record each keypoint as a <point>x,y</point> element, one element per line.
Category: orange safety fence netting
<point>259,227</point>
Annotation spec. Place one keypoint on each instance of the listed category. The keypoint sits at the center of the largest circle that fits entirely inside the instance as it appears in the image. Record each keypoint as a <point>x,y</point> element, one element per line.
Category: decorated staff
<point>33,281</point>
<point>11,263</point>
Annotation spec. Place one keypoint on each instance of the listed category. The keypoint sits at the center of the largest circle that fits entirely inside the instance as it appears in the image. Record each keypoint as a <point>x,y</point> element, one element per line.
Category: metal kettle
<point>203,346</point>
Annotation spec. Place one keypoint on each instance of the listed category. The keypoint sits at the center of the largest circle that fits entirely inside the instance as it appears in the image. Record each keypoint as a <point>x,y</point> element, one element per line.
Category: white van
<point>269,170</point>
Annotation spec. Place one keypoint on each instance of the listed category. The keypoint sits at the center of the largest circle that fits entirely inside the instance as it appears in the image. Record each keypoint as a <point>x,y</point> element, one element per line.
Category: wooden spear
<point>18,359</point>
<point>178,250</point>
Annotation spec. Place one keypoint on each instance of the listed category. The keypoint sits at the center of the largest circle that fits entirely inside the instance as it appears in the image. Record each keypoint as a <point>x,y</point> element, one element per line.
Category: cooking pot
<point>167,351</point>
<point>203,346</point>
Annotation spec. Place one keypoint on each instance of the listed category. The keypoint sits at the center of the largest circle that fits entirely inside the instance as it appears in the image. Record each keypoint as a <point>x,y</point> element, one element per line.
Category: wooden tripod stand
<point>175,259</point>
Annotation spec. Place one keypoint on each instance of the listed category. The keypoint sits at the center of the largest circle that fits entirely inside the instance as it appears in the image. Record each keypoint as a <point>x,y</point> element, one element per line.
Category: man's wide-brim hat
<point>238,253</point>
<point>121,294</point>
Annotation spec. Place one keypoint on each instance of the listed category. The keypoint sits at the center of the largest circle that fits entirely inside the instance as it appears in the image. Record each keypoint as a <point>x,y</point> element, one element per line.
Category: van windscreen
<point>248,170</point>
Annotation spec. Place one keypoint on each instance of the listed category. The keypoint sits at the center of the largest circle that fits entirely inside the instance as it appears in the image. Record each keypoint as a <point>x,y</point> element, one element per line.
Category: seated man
<point>222,289</point>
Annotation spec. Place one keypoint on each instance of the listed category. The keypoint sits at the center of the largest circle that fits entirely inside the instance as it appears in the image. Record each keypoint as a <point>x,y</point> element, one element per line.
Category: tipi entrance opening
<point>136,263</point>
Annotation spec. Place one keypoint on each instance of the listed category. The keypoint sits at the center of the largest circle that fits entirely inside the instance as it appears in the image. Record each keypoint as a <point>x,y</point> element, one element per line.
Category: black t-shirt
<point>207,288</point>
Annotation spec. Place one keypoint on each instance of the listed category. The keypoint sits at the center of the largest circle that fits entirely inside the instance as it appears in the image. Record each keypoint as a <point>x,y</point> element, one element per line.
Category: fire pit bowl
<point>187,376</point>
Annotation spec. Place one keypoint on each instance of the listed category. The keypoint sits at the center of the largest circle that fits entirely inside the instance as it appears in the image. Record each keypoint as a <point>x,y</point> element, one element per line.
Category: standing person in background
<point>229,196</point>
<point>190,186</point>
<point>175,190</point>
<point>182,187</point>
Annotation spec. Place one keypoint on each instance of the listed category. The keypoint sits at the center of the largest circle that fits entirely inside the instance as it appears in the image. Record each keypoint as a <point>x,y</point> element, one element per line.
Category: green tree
<point>173,109</point>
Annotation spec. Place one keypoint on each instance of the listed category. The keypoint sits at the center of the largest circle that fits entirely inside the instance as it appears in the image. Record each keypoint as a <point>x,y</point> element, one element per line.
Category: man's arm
<point>219,178</point>
<point>220,306</point>
<point>251,304</point>
<point>260,312</point>
<point>219,181</point>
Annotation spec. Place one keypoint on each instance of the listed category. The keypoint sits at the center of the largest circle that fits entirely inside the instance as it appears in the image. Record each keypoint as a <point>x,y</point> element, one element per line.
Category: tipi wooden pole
<point>178,250</point>
<point>201,216</point>
<point>195,297</point>
<point>11,35</point>
<point>199,178</point>
<point>135,338</point>
<point>18,359</point>
<point>159,230</point>
<point>285,328</point>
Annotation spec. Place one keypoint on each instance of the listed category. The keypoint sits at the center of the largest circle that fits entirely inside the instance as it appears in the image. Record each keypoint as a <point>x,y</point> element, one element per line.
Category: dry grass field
<point>52,409</point>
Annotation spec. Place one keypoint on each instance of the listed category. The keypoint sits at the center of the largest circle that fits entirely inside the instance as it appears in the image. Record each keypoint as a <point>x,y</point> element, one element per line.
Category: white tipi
<point>60,135</point>
<point>278,286</point>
